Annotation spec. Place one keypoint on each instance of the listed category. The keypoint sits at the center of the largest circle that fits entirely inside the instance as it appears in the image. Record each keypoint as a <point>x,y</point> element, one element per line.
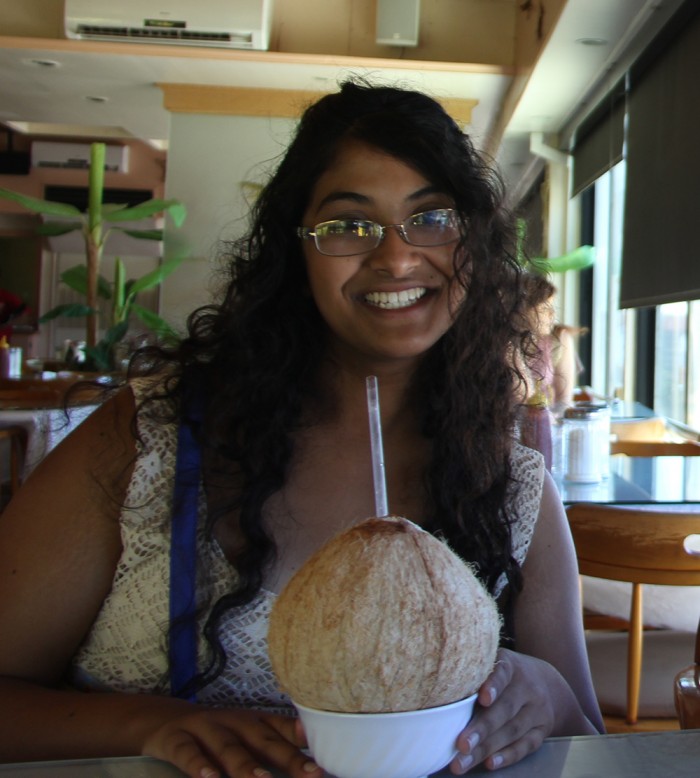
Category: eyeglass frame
<point>305,233</point>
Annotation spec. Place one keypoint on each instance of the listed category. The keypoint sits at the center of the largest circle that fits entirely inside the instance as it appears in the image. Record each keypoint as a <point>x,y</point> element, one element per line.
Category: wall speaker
<point>397,22</point>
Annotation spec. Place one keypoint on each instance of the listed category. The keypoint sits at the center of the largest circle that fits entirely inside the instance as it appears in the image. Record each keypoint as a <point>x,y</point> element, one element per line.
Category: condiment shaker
<point>582,444</point>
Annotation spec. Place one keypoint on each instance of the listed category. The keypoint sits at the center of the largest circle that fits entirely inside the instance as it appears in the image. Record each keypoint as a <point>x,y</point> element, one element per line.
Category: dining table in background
<point>38,404</point>
<point>637,755</point>
<point>639,481</point>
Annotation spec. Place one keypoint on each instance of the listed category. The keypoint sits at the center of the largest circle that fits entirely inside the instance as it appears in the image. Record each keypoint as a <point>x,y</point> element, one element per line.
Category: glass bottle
<point>535,421</point>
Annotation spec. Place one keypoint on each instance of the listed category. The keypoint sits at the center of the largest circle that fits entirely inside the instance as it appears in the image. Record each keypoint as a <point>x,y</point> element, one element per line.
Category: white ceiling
<point>56,100</point>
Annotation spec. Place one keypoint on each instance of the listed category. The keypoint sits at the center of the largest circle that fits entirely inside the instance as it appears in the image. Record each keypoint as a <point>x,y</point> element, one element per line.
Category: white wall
<point>209,158</point>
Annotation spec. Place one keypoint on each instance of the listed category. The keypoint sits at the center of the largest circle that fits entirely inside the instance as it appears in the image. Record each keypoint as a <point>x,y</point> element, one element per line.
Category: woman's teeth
<point>392,300</point>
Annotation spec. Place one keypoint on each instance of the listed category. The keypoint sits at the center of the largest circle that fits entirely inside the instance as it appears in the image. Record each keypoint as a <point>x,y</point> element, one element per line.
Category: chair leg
<point>634,654</point>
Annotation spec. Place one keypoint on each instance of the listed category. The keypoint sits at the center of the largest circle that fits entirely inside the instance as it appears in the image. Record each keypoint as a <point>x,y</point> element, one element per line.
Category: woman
<point>378,247</point>
<point>556,364</point>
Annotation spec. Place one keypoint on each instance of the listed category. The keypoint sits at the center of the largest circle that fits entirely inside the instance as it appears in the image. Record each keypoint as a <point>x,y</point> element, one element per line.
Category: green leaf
<point>115,334</point>
<point>40,206</point>
<point>156,276</point>
<point>155,323</point>
<point>110,207</point>
<point>69,309</point>
<point>151,207</point>
<point>76,278</point>
<point>58,228</point>
<point>143,234</point>
<point>100,357</point>
<point>578,259</point>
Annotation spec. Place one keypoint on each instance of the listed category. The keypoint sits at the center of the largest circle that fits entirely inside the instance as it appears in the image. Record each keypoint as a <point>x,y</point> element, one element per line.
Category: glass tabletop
<point>637,755</point>
<point>640,480</point>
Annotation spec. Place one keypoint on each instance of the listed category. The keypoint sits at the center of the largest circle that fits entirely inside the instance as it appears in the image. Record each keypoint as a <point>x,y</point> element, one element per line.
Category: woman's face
<point>392,302</point>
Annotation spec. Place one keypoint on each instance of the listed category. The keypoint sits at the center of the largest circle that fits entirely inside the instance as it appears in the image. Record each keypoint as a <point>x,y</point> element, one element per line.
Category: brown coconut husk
<point>385,617</point>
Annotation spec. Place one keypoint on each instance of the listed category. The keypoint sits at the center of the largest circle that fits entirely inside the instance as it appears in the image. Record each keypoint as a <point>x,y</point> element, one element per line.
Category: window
<point>609,324</point>
<point>670,359</point>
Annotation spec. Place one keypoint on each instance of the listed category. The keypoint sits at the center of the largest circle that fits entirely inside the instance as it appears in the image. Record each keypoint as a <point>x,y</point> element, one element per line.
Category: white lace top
<point>126,649</point>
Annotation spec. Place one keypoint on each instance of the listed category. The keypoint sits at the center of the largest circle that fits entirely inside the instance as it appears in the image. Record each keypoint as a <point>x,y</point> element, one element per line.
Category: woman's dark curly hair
<point>249,363</point>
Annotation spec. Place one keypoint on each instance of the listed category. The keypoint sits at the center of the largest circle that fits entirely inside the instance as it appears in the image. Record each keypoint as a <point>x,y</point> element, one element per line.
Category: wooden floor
<point>615,725</point>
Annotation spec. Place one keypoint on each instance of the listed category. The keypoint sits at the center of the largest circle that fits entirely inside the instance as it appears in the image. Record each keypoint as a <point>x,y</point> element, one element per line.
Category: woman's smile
<point>392,301</point>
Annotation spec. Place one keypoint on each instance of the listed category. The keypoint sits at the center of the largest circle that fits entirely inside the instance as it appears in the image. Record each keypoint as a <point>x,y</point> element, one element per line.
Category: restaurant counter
<point>638,755</point>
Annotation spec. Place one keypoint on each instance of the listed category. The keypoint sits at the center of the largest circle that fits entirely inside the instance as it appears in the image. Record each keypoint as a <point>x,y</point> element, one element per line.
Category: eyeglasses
<point>345,237</point>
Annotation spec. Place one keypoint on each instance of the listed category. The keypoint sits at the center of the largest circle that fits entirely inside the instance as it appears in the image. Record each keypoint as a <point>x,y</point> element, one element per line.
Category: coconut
<point>384,617</point>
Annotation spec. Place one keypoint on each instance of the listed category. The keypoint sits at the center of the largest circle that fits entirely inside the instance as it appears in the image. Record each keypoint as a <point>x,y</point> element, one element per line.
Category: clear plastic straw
<point>375,431</point>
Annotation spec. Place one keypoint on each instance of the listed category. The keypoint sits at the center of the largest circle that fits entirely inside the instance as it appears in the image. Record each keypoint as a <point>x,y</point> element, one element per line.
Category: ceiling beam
<point>281,103</point>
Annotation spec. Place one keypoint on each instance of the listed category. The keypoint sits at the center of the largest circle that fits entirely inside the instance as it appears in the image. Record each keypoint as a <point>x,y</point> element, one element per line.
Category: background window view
<point>616,342</point>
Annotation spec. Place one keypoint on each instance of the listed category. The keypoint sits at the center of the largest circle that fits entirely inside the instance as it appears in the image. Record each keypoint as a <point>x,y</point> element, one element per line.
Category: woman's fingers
<point>238,744</point>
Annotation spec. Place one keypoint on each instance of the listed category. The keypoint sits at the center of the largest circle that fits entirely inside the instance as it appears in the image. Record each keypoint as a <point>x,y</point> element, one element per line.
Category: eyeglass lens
<point>344,237</point>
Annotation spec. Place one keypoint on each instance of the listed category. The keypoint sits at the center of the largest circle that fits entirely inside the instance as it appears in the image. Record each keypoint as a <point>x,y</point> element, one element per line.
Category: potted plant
<point>95,225</point>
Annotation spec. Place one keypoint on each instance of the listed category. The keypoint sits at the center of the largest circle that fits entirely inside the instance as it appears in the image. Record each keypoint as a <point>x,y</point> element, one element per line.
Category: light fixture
<point>592,41</point>
<point>41,63</point>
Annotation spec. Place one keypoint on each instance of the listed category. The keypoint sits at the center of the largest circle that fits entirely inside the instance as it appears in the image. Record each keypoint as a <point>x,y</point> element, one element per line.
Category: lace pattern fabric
<point>126,649</point>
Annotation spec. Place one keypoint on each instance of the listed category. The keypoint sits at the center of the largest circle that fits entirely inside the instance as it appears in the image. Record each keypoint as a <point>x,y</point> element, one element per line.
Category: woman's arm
<point>544,687</point>
<point>60,542</point>
<point>565,371</point>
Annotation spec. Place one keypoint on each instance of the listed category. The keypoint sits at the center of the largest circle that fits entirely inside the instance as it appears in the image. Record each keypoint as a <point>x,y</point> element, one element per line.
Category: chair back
<point>641,547</point>
<point>655,448</point>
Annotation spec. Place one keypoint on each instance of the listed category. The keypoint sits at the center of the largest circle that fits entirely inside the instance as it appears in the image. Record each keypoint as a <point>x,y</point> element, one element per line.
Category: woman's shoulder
<point>527,467</point>
<point>525,496</point>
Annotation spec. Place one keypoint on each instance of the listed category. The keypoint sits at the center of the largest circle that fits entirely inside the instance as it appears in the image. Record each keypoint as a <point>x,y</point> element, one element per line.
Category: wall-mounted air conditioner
<point>236,24</point>
<point>76,156</point>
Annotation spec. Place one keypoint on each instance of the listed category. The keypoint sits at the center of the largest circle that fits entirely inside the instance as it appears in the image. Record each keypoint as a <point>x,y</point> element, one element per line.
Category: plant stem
<point>93,237</point>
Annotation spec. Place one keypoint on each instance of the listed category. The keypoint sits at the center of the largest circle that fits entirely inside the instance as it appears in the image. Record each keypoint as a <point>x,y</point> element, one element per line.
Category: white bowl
<point>410,744</point>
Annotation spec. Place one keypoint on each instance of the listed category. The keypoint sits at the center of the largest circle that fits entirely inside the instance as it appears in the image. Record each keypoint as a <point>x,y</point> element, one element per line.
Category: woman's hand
<point>208,743</point>
<point>517,709</point>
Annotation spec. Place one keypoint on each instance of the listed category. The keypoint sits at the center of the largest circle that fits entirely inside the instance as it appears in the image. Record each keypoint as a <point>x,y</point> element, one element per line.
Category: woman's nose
<point>394,255</point>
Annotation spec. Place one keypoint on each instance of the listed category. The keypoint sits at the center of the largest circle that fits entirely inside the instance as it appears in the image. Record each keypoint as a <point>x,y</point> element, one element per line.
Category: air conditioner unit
<point>235,24</point>
<point>76,156</point>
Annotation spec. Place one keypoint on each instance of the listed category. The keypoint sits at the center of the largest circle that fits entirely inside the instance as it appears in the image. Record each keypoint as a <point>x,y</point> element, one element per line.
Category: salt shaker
<point>581,444</point>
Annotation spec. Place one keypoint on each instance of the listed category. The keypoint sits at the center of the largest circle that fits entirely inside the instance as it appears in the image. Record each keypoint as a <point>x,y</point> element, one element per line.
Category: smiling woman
<point>144,561</point>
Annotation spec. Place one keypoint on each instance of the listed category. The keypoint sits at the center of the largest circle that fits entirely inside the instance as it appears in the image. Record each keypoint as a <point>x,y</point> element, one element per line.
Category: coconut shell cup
<point>383,618</point>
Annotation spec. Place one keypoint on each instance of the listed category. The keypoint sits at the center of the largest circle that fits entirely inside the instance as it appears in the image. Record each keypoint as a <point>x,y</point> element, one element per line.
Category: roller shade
<point>661,250</point>
<point>599,140</point>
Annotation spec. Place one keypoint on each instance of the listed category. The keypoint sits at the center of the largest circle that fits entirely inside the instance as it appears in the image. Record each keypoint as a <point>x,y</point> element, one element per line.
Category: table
<point>639,481</point>
<point>46,428</point>
<point>624,410</point>
<point>638,755</point>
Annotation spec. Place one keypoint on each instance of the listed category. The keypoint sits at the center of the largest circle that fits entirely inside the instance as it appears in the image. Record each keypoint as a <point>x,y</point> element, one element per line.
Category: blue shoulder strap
<point>182,644</point>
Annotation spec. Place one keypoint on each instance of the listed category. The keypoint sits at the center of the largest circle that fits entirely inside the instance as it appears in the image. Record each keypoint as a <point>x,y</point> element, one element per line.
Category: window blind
<point>661,250</point>
<point>599,141</point>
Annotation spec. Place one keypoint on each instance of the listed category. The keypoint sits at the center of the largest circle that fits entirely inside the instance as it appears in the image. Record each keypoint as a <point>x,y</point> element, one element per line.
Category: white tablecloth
<point>46,428</point>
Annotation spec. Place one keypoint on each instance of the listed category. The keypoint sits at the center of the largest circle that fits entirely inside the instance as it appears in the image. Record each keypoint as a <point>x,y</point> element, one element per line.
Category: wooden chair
<point>655,448</point>
<point>640,547</point>
<point>686,691</point>
<point>653,428</point>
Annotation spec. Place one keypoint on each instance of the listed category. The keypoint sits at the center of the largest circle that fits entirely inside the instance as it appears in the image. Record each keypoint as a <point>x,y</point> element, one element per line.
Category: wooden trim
<point>235,100</point>
<point>283,103</point>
